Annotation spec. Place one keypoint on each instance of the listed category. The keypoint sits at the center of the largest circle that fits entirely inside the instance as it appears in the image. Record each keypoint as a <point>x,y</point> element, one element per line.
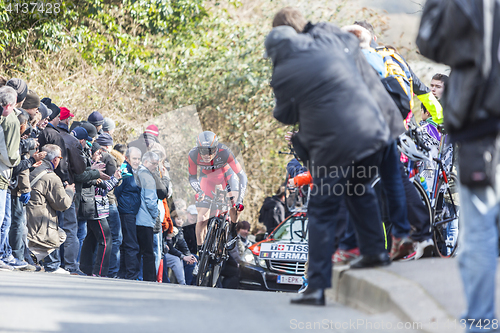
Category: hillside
<point>137,60</point>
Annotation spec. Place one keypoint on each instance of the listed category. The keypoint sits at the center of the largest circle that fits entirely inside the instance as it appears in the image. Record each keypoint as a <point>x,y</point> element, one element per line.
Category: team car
<point>278,262</point>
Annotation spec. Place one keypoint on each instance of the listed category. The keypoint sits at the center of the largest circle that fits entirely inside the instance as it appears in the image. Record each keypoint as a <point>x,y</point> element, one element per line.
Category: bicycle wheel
<point>202,279</point>
<point>220,252</point>
<point>445,218</point>
<point>423,197</point>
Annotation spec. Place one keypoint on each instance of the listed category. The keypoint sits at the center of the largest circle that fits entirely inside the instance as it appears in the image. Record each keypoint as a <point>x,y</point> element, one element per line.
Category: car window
<point>292,230</point>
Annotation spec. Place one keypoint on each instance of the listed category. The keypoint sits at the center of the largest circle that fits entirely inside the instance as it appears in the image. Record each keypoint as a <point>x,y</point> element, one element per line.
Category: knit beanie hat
<point>152,129</point>
<point>96,118</point>
<point>55,109</point>
<point>108,125</point>
<point>32,100</point>
<point>20,87</point>
<point>105,140</point>
<point>90,128</point>
<point>44,111</point>
<point>95,147</point>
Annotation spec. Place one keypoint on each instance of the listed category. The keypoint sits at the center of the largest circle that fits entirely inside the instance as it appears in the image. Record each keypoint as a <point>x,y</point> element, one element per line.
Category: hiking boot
<point>424,249</point>
<point>344,256</point>
<point>401,247</point>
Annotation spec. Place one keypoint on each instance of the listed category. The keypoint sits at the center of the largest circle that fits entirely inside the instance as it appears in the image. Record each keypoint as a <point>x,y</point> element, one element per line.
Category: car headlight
<point>249,257</point>
<point>261,262</point>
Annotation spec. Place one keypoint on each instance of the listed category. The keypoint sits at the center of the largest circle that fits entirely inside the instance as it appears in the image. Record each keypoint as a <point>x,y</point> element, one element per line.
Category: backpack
<point>398,81</point>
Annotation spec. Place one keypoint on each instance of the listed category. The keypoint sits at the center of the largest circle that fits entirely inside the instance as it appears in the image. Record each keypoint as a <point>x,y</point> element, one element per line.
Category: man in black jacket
<point>340,139</point>
<point>76,166</point>
<point>465,36</point>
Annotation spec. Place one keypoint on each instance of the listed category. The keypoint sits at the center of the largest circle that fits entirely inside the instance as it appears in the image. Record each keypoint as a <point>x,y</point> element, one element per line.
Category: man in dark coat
<point>341,139</point>
<point>465,36</point>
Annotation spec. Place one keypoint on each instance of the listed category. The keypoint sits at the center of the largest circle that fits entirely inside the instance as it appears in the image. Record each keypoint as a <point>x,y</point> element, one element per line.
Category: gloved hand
<point>25,197</point>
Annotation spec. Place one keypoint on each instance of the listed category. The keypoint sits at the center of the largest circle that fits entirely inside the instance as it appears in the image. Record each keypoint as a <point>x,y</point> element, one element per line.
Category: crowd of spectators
<point>72,201</point>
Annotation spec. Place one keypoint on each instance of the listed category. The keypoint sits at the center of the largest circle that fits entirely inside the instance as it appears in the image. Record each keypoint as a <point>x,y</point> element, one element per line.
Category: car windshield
<point>292,230</point>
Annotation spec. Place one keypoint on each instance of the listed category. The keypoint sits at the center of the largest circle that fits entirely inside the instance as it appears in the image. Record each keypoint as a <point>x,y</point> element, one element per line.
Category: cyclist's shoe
<point>401,247</point>
<point>424,249</point>
<point>303,288</point>
<point>345,256</point>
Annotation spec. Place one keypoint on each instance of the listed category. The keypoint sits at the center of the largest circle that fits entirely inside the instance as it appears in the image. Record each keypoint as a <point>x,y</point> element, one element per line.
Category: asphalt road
<point>43,302</point>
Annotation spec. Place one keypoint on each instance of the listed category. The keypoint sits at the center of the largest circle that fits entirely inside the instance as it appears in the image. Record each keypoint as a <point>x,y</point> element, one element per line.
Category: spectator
<point>243,229</point>
<point>76,166</point>
<point>148,212</point>
<point>9,158</point>
<point>21,89</point>
<point>471,119</point>
<point>48,195</point>
<point>51,135</point>
<point>438,83</point>
<point>108,126</point>
<point>110,159</point>
<point>20,194</point>
<point>258,233</point>
<point>98,241</point>
<point>145,140</point>
<point>177,256</point>
<point>96,119</point>
<point>272,211</point>
<point>31,105</point>
<point>329,140</point>
<point>128,198</point>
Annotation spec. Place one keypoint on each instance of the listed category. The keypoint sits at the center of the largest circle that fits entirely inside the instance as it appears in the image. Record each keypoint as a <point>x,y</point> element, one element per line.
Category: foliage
<point>135,59</point>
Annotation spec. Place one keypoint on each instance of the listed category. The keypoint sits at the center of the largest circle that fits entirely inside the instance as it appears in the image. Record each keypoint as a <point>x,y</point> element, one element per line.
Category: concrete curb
<point>376,291</point>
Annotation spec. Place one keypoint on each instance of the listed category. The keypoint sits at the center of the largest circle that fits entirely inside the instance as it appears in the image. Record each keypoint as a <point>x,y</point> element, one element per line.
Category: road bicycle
<point>442,199</point>
<point>214,251</point>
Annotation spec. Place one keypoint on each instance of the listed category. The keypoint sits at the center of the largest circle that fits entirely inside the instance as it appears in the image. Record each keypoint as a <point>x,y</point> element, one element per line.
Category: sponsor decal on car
<point>281,251</point>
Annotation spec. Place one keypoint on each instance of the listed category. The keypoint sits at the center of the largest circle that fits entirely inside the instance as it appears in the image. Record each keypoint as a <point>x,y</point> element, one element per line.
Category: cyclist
<point>218,167</point>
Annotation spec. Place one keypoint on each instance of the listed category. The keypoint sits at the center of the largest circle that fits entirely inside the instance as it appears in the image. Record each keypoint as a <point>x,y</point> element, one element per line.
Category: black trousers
<point>362,204</point>
<point>98,235</point>
<point>129,250</point>
<point>145,240</point>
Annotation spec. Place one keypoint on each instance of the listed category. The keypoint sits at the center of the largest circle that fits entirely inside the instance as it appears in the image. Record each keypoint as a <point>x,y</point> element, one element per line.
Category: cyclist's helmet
<point>207,143</point>
<point>408,147</point>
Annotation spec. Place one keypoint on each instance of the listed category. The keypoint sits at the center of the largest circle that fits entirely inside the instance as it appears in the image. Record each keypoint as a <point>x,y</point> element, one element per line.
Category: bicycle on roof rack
<point>296,197</point>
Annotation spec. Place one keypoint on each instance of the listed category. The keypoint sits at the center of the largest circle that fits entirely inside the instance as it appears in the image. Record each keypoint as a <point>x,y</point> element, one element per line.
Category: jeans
<point>145,240</point>
<point>175,263</point>
<point>157,250</point>
<point>116,236</point>
<point>72,244</point>
<point>394,191</point>
<point>325,202</point>
<point>99,235</point>
<point>81,234</point>
<point>129,251</point>
<point>5,249</point>
<point>188,272</point>
<point>52,262</point>
<point>3,201</point>
<point>17,228</point>
<point>478,252</point>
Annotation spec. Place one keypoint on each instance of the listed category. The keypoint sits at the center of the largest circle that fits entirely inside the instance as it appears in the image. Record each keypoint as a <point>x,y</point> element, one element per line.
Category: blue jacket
<point>128,194</point>
<point>148,211</point>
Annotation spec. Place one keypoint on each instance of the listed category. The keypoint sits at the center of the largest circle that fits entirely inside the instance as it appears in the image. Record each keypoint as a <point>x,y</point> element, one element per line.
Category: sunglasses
<point>207,151</point>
